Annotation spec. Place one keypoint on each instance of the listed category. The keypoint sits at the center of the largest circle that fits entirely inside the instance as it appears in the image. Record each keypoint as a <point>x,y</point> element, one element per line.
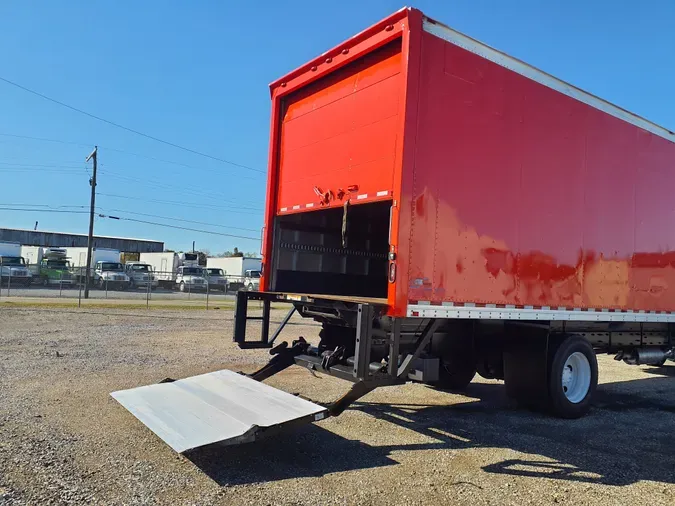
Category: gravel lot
<point>64,440</point>
<point>95,293</point>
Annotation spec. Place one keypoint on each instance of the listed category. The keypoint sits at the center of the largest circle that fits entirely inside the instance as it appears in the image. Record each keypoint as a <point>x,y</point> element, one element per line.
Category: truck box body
<point>164,265</point>
<point>234,267</point>
<point>468,185</point>
<point>78,256</point>
<point>32,254</point>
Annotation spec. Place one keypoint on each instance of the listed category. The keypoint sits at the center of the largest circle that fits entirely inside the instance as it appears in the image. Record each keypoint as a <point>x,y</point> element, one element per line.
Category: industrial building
<point>65,240</point>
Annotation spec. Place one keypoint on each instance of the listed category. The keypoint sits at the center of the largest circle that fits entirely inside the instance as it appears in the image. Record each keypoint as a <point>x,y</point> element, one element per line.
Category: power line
<point>134,213</point>
<point>177,227</point>
<point>117,150</point>
<point>188,189</point>
<point>180,219</point>
<point>41,210</point>
<point>121,218</point>
<point>156,139</point>
<point>170,202</point>
<point>56,165</point>
<point>45,140</point>
<point>44,205</point>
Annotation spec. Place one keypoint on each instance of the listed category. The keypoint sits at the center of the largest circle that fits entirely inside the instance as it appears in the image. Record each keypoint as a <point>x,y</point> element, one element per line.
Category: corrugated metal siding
<point>59,240</point>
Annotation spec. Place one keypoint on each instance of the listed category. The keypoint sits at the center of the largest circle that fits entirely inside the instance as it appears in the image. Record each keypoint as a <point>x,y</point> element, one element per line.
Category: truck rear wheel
<point>573,378</point>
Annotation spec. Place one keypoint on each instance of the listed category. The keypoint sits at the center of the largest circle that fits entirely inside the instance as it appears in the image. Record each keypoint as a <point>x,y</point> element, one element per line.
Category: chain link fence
<point>191,283</point>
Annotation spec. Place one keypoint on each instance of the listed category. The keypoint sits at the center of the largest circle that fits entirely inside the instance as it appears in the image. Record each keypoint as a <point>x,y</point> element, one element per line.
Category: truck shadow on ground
<point>626,438</point>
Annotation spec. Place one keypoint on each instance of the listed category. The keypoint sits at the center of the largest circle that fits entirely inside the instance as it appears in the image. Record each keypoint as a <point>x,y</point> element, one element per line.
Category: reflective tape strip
<point>426,310</point>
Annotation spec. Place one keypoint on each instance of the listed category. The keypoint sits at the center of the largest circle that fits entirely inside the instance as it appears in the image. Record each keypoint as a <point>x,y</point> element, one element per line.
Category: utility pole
<point>90,239</point>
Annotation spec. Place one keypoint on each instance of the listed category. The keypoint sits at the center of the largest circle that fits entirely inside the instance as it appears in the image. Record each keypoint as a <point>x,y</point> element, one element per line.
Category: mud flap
<point>219,407</point>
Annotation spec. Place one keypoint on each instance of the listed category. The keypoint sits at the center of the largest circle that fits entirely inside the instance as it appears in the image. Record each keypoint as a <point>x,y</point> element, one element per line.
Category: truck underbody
<point>545,365</point>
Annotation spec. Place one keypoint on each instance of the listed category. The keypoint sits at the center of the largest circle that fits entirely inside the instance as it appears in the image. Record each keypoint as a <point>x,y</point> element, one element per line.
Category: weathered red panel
<point>526,196</point>
<point>504,190</point>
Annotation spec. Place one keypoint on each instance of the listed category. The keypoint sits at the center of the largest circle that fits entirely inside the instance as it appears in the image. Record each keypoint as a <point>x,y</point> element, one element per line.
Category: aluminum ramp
<point>219,407</point>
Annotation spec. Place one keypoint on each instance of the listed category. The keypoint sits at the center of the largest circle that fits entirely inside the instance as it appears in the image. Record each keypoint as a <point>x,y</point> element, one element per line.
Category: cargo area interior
<point>315,254</point>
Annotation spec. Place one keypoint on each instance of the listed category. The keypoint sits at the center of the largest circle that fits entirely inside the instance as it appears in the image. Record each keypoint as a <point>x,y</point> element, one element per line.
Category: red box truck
<point>444,209</point>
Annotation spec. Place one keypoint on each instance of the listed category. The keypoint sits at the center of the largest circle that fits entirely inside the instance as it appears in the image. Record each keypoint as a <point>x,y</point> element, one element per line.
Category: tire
<point>132,284</point>
<point>181,287</point>
<point>457,361</point>
<point>101,284</point>
<point>573,378</point>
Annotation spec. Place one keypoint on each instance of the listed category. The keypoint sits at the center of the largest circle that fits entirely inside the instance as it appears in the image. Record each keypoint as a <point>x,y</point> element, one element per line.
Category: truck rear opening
<point>335,251</point>
<point>336,151</point>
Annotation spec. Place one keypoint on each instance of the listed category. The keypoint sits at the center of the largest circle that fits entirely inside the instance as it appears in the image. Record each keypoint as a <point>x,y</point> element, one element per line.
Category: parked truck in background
<point>165,265</point>
<point>190,278</point>
<point>54,268</point>
<point>33,256</point>
<point>216,279</point>
<point>110,275</point>
<point>140,274</point>
<point>444,210</point>
<point>13,268</point>
<point>78,260</point>
<point>235,269</point>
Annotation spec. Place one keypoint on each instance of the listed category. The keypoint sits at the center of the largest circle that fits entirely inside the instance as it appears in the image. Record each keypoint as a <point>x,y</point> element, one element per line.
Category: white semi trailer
<point>240,272</point>
<point>165,265</point>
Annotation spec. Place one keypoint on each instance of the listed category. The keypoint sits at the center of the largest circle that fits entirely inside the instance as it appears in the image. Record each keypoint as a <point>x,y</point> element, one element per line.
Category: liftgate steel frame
<point>364,374</point>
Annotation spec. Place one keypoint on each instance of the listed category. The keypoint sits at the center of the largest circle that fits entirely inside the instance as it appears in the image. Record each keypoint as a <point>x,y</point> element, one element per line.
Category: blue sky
<point>196,74</point>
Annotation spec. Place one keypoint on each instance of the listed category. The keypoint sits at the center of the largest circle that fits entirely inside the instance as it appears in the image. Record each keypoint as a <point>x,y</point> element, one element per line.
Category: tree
<point>237,253</point>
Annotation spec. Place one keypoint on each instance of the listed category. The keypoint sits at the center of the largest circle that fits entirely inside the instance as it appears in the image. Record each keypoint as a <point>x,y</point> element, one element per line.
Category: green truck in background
<point>55,268</point>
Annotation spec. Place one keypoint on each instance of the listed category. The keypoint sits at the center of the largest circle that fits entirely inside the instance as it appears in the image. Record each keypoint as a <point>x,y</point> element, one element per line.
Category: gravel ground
<point>95,293</point>
<point>64,440</point>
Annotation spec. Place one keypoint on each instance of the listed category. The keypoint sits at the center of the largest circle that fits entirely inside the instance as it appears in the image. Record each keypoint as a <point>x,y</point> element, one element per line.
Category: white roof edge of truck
<point>525,69</point>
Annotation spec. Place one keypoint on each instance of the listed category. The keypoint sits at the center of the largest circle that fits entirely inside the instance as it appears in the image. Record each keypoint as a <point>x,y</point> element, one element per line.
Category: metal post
<point>9,281</point>
<point>265,330</point>
<point>79,284</point>
<point>1,270</point>
<point>240,314</point>
<point>364,327</point>
<point>106,288</point>
<point>190,289</point>
<point>61,284</point>
<point>207,293</point>
<point>394,346</point>
<point>90,239</point>
<point>147,292</point>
